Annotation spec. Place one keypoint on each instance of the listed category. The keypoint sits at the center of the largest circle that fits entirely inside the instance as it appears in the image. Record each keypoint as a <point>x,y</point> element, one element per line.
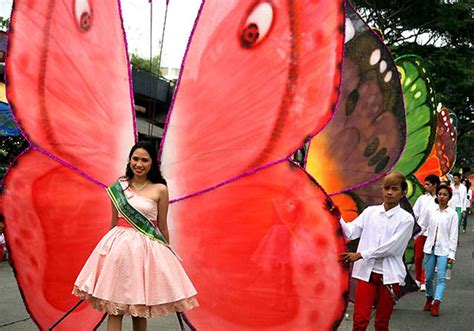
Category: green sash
<point>133,216</point>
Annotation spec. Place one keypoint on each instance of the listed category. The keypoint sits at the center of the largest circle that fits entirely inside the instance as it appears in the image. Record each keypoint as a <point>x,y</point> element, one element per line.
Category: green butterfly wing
<point>420,113</point>
<point>415,189</point>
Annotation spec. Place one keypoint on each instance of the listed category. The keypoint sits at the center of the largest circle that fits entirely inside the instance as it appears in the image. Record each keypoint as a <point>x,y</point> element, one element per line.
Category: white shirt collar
<point>389,212</point>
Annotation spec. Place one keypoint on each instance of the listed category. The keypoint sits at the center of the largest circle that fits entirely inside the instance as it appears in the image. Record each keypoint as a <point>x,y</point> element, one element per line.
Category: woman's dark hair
<point>433,179</point>
<point>154,175</point>
<point>466,182</point>
<point>444,187</point>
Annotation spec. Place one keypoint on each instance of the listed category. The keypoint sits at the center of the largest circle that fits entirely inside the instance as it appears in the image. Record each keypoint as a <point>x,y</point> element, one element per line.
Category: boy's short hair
<point>395,178</point>
<point>433,179</point>
<point>457,174</point>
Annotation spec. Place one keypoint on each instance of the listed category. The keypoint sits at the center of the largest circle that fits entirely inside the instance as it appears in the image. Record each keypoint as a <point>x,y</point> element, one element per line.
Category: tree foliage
<point>152,66</point>
<point>4,23</point>
<point>441,32</point>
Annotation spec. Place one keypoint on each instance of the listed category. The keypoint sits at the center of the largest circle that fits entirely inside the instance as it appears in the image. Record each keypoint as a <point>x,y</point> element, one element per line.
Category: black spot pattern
<point>85,21</point>
<point>352,102</point>
<point>249,35</point>
<point>378,157</point>
<point>372,147</point>
<point>382,164</point>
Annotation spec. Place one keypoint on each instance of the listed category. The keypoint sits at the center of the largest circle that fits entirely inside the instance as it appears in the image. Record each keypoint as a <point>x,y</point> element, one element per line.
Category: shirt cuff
<point>365,254</point>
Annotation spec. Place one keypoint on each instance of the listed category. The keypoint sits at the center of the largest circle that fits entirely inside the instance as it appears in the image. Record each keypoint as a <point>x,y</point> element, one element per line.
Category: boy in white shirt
<point>422,208</point>
<point>465,181</point>
<point>458,202</point>
<point>384,231</point>
<point>2,238</point>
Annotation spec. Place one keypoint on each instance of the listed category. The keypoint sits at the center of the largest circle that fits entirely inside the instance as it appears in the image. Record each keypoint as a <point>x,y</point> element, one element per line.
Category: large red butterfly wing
<point>366,137</point>
<point>68,85</point>
<point>242,105</point>
<point>68,82</point>
<point>54,218</point>
<point>263,253</point>
<point>261,248</point>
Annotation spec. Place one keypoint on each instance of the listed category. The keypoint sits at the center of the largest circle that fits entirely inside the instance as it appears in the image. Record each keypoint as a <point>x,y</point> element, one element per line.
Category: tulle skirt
<point>131,274</point>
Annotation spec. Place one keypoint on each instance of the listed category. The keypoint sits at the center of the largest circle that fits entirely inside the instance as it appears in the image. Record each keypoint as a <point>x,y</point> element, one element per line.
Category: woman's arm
<point>163,204</point>
<point>114,216</point>
<point>453,236</point>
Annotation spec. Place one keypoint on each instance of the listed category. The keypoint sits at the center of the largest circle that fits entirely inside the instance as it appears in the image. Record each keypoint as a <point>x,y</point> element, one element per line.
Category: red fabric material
<point>69,215</point>
<point>229,236</point>
<point>89,124</point>
<point>68,87</point>
<point>364,300</point>
<point>236,246</point>
<point>275,116</point>
<point>419,270</point>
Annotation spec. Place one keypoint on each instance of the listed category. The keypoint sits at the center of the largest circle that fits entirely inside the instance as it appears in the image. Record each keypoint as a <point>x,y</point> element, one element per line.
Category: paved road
<point>456,311</point>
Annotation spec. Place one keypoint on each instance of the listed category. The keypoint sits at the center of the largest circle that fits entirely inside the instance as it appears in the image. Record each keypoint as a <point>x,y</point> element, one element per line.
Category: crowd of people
<point>384,232</point>
<point>3,244</point>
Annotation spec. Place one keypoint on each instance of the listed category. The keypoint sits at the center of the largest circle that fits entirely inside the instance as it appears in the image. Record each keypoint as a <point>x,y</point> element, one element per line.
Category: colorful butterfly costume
<point>259,236</point>
<point>367,135</point>
<point>441,159</point>
<point>79,128</point>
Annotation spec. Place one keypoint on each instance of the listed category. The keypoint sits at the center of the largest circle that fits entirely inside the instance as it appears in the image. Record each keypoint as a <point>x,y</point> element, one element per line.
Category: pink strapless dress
<point>131,274</point>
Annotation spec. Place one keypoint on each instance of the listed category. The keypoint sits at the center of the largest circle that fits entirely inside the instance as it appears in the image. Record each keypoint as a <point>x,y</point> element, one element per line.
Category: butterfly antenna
<point>183,321</point>
<point>66,315</point>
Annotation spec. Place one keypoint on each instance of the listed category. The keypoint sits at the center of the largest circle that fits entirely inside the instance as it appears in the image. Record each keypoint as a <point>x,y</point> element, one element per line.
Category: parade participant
<point>422,208</point>
<point>2,238</point>
<point>384,231</point>
<point>458,201</point>
<point>132,270</point>
<point>440,247</point>
<point>465,181</point>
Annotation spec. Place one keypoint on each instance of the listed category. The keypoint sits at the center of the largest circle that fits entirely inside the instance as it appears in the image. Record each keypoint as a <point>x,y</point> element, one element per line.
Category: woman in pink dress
<point>132,270</point>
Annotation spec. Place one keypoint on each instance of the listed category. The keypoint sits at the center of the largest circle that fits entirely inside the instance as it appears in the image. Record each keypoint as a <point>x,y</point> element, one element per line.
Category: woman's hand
<point>451,261</point>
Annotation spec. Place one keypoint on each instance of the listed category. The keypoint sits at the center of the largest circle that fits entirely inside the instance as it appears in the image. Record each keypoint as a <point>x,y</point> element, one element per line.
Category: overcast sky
<point>136,15</point>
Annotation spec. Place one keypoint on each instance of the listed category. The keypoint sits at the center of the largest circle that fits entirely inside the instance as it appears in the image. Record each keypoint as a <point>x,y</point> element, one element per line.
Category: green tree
<point>4,23</point>
<point>152,66</point>
<point>441,32</point>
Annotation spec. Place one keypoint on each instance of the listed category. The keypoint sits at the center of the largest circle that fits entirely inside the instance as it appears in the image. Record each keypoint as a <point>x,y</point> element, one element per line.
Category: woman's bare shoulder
<point>160,188</point>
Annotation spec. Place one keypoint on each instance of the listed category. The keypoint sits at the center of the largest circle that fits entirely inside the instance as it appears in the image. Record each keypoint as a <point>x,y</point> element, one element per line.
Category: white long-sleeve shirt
<point>442,233</point>
<point>459,197</point>
<point>468,198</point>
<point>384,236</point>
<point>422,208</point>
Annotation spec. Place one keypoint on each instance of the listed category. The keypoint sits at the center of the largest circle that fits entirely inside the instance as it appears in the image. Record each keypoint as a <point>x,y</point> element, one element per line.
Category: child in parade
<point>2,239</point>
<point>458,201</point>
<point>423,205</point>
<point>384,231</point>
<point>132,270</point>
<point>440,247</point>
